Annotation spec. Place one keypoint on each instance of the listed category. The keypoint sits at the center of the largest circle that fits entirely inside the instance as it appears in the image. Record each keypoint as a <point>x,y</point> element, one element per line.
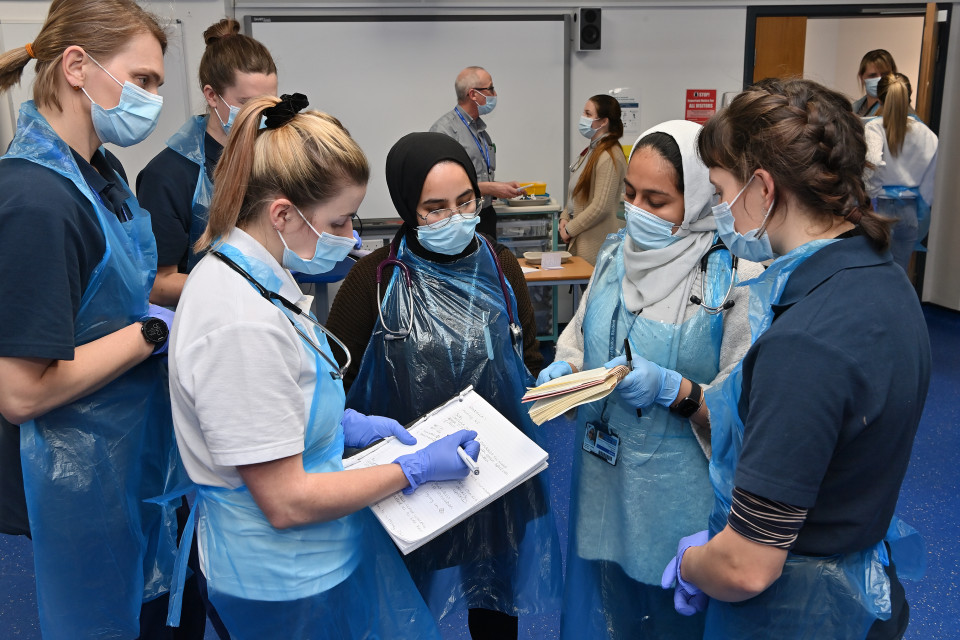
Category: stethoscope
<point>338,371</point>
<point>404,331</point>
<point>726,303</point>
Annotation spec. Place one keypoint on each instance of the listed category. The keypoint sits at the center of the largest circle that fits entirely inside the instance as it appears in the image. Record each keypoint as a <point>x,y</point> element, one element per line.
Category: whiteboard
<point>386,76</point>
<point>176,102</point>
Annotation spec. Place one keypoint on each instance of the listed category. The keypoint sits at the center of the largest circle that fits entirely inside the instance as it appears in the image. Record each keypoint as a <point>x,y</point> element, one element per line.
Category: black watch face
<point>155,330</point>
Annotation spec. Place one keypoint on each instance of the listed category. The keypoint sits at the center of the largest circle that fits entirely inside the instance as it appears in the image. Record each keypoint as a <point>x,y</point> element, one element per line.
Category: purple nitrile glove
<point>647,383</point>
<point>555,370</point>
<point>439,460</point>
<point>360,430</point>
<point>687,598</point>
<point>156,311</point>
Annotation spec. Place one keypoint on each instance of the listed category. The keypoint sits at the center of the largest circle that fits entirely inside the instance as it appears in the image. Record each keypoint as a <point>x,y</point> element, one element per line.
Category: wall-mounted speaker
<point>588,29</point>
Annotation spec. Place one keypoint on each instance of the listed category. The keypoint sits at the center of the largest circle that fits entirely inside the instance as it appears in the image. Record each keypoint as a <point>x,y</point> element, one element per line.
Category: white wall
<point>835,46</point>
<point>659,54</point>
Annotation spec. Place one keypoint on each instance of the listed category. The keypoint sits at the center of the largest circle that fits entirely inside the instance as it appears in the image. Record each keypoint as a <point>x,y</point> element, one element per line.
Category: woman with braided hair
<point>287,545</point>
<point>812,432</point>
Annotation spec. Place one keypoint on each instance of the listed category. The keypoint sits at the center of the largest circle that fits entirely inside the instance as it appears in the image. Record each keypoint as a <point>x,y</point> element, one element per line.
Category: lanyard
<point>483,147</point>
<point>615,324</point>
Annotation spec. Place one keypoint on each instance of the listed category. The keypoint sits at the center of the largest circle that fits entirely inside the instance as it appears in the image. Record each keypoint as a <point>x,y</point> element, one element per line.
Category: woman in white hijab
<point>663,284</point>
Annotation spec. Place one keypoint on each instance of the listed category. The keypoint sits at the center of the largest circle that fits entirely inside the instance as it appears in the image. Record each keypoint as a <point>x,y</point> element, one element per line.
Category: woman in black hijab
<point>456,313</point>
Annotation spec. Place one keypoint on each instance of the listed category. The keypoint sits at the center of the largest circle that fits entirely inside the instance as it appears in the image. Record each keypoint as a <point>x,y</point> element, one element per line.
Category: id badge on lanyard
<point>600,441</point>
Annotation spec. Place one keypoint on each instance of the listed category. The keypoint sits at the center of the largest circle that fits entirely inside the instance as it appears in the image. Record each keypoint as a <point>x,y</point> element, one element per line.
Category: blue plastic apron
<point>507,556</point>
<point>632,514</point>
<point>837,597</point>
<point>336,579</point>
<point>99,549</point>
<point>188,141</point>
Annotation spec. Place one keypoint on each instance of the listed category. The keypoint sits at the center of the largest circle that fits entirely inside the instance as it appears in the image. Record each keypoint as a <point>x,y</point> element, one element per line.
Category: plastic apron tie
<point>89,465</point>
<point>189,142</point>
<point>507,556</point>
<point>905,203</point>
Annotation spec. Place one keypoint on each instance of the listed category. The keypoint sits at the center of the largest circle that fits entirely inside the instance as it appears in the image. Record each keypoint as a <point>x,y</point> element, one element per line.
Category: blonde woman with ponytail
<point>177,185</point>
<point>82,370</point>
<point>902,162</point>
<point>287,546</point>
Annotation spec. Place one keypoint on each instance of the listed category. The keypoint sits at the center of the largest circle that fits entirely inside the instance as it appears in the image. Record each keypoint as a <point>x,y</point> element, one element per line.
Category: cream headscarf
<point>652,275</point>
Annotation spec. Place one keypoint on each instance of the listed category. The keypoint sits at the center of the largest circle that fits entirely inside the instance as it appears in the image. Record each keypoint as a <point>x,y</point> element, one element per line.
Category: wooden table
<point>575,271</point>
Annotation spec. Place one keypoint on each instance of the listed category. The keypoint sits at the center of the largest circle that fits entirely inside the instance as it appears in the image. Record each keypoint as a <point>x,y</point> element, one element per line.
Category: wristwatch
<point>154,331</point>
<point>691,404</point>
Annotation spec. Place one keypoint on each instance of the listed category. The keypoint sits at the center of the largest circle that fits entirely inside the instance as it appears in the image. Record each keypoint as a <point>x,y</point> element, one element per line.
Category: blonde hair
<point>100,27</point>
<point>879,58</point>
<point>228,51</point>
<point>894,91</point>
<point>309,160</point>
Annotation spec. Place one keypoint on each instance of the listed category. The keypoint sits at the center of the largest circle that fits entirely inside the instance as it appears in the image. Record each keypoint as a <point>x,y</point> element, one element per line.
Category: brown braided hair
<point>809,140</point>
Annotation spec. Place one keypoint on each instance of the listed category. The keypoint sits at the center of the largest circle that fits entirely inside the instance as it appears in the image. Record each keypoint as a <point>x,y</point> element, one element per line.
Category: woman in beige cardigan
<point>596,181</point>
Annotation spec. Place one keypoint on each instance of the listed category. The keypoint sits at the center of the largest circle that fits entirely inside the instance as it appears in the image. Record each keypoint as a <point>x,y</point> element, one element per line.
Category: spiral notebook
<point>561,394</point>
<point>507,459</point>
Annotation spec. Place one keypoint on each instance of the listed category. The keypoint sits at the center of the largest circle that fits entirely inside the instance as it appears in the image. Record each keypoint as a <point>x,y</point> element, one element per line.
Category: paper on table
<point>507,459</point>
<point>528,269</point>
<point>551,260</point>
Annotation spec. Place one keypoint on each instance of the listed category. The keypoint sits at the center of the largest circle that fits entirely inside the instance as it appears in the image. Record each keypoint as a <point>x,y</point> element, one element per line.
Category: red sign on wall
<point>701,104</point>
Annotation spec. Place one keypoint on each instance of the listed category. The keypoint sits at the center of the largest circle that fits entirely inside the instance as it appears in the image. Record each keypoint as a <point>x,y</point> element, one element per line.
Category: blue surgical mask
<point>230,118</point>
<point>586,127</point>
<point>647,230</point>
<point>484,109</point>
<point>747,246</point>
<point>330,250</point>
<point>451,238</point>
<point>132,120</point>
<point>870,84</point>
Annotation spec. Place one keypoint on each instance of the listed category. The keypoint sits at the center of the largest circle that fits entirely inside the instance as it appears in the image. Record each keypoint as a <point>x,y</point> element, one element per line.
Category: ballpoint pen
<point>626,352</point>
<point>467,460</point>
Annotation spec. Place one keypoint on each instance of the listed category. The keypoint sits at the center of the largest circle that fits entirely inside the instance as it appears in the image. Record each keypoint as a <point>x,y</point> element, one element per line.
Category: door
<point>779,47</point>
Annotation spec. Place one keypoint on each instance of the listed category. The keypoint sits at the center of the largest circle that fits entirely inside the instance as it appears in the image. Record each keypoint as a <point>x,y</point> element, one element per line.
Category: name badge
<point>599,441</point>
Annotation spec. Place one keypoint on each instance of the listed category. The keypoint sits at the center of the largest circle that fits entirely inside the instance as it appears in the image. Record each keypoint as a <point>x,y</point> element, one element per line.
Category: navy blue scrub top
<point>165,188</point>
<point>832,396</point>
<point>50,243</point>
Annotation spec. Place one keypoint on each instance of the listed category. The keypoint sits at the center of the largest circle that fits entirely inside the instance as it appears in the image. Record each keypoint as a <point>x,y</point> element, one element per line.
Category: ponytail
<point>307,157</point>
<point>894,91</point>
<point>12,64</point>
<point>607,107</point>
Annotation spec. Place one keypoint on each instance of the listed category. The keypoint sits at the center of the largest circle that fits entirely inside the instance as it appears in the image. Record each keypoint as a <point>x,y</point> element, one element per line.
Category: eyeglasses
<point>490,89</point>
<point>439,218</point>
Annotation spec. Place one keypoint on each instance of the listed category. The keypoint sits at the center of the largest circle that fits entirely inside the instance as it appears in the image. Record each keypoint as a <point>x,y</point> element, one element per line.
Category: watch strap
<point>691,404</point>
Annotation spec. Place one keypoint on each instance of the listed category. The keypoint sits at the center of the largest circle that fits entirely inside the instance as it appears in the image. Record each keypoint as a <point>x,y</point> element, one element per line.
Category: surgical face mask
<point>230,118</point>
<point>870,84</point>
<point>330,250</point>
<point>129,122</point>
<point>586,127</point>
<point>647,230</point>
<point>451,238</point>
<point>487,107</point>
<point>747,246</point>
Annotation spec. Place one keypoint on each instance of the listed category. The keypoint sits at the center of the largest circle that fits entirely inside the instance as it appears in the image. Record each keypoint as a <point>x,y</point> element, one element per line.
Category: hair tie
<point>854,216</point>
<point>29,48</point>
<point>282,112</point>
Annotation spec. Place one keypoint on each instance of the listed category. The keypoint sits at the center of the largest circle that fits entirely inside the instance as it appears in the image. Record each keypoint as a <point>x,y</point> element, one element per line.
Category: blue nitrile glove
<point>554,370</point>
<point>359,243</point>
<point>647,383</point>
<point>360,430</point>
<point>439,460</point>
<point>687,598</point>
<point>156,311</point>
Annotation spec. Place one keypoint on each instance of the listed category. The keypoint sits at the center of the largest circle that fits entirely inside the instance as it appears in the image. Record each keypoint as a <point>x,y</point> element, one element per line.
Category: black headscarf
<point>408,163</point>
